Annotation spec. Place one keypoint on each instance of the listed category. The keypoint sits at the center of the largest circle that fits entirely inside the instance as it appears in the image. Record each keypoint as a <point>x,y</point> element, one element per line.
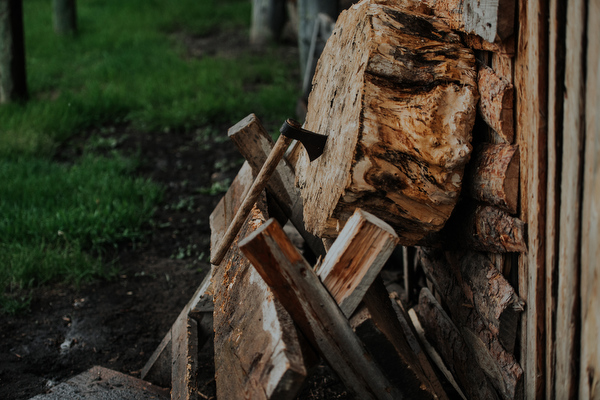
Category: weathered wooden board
<point>492,20</point>
<point>531,85</point>
<point>257,350</point>
<point>496,102</point>
<point>589,377</point>
<point>314,310</point>
<point>493,176</point>
<point>500,366</point>
<point>451,345</point>
<point>569,239</point>
<point>356,258</point>
<point>396,93</point>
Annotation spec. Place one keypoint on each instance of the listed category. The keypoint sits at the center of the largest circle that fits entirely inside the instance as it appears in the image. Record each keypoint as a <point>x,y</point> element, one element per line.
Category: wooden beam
<point>400,162</point>
<point>569,251</point>
<point>298,288</point>
<point>589,377</point>
<point>450,344</point>
<point>257,349</point>
<point>496,102</point>
<point>493,176</point>
<point>255,144</point>
<point>356,258</point>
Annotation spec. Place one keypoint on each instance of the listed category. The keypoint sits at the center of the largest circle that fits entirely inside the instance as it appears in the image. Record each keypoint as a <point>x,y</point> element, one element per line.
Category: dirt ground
<point>118,323</point>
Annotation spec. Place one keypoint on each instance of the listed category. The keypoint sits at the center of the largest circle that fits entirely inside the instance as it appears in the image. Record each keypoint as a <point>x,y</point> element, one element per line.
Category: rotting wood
<point>395,91</point>
<point>589,377</point>
<point>449,342</point>
<point>355,259</point>
<point>315,311</point>
<point>255,144</point>
<point>492,20</point>
<point>496,102</point>
<point>485,228</point>
<point>531,85</point>
<point>492,296</point>
<point>257,350</point>
<point>493,176</point>
<point>499,365</point>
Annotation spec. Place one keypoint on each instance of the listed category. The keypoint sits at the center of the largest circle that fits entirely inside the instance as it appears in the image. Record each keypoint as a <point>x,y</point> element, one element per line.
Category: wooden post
<point>298,288</point>
<point>13,79</point>
<point>65,16</point>
<point>268,19</point>
<point>531,86</point>
<point>589,377</point>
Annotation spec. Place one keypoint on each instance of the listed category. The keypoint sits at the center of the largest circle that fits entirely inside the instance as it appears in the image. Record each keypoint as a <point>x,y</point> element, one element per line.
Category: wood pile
<point>417,101</point>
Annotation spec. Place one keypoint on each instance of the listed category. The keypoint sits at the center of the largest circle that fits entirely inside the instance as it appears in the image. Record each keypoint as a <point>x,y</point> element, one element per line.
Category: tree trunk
<point>13,79</point>
<point>65,16</point>
<point>268,18</point>
<point>398,105</point>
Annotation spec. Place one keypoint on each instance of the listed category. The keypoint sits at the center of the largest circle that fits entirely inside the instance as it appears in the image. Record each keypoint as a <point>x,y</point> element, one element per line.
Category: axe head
<point>314,143</point>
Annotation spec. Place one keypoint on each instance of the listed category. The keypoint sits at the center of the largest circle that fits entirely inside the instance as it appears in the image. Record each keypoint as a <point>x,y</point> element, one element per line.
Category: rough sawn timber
<point>257,349</point>
<point>311,306</point>
<point>396,92</point>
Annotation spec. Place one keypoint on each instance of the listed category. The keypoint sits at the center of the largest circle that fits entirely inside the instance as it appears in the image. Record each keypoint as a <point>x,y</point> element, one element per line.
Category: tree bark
<point>493,176</point>
<point>395,92</point>
<point>65,16</point>
<point>13,78</point>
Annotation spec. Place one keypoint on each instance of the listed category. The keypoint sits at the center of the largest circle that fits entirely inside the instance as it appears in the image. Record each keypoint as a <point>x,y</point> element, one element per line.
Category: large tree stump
<point>396,93</point>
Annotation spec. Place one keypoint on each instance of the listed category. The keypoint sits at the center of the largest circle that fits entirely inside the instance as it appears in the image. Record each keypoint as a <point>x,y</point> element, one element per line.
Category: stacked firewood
<point>419,153</point>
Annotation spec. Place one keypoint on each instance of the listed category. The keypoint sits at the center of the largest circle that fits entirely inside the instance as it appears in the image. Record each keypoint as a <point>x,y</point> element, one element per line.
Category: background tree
<point>65,16</point>
<point>13,82</point>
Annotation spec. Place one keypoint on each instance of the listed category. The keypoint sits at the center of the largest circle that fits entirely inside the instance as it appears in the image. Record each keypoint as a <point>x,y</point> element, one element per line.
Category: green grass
<point>125,65</point>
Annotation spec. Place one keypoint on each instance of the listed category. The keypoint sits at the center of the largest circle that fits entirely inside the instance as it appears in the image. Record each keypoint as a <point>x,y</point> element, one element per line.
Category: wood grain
<point>395,91</point>
<point>496,102</point>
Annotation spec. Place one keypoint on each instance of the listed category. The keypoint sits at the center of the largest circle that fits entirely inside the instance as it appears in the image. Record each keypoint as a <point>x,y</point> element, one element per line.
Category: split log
<point>448,341</point>
<point>493,297</point>
<point>496,102</point>
<point>493,176</point>
<point>255,145</point>
<point>492,20</point>
<point>356,258</point>
<point>257,350</point>
<point>298,288</point>
<point>395,91</point>
<point>499,365</point>
<point>486,229</point>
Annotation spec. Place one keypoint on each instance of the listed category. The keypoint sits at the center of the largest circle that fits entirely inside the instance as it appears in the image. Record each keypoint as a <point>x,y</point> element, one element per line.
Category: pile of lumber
<point>419,152</point>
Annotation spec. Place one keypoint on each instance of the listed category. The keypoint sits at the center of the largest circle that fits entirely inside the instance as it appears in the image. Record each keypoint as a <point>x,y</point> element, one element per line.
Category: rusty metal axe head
<point>314,143</point>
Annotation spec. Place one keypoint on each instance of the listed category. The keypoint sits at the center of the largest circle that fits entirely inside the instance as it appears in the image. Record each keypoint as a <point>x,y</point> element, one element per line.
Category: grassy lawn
<point>125,65</point>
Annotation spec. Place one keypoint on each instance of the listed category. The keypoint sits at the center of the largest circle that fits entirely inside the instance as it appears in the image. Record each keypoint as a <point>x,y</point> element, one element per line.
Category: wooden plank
<point>257,350</point>
<point>556,95</point>
<point>255,144</point>
<point>315,311</point>
<point>493,176</point>
<point>496,102</point>
<point>589,379</point>
<point>492,20</point>
<point>401,162</point>
<point>448,341</point>
<point>356,258</point>
<point>500,366</point>
<point>531,85</point>
<point>568,303</point>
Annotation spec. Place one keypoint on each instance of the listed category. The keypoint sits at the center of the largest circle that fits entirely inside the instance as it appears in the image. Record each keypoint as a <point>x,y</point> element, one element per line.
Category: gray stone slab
<point>100,383</point>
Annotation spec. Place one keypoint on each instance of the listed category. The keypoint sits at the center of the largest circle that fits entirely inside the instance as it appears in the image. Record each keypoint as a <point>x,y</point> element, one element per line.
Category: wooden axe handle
<point>257,187</point>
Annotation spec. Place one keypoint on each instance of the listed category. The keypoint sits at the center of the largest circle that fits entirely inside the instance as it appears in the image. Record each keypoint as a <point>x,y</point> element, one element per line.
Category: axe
<point>314,144</point>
